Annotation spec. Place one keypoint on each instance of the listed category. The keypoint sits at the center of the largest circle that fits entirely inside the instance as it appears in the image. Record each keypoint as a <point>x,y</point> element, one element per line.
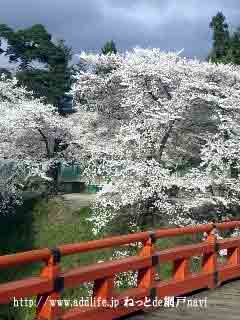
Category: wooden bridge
<point>109,303</point>
<point>221,304</point>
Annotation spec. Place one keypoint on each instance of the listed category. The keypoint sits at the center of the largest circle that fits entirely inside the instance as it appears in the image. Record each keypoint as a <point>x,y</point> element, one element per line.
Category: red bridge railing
<point>49,284</point>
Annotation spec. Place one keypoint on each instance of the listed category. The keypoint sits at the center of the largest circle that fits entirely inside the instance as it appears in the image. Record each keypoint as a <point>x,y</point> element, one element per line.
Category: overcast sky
<point>87,24</point>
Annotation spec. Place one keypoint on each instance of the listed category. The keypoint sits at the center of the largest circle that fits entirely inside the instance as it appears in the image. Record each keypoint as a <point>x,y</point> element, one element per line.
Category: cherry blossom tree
<point>30,129</point>
<point>135,104</point>
<point>32,134</point>
<point>15,177</point>
<point>9,194</point>
<point>220,155</point>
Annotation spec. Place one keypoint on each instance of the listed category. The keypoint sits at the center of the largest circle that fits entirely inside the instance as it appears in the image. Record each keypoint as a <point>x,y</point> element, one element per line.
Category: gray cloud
<point>86,25</point>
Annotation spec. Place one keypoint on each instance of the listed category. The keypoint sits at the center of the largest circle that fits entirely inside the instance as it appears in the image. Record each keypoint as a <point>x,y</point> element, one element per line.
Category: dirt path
<point>78,200</point>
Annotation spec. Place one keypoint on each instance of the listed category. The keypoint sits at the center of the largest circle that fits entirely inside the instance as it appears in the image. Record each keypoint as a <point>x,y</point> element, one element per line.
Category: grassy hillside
<point>43,223</point>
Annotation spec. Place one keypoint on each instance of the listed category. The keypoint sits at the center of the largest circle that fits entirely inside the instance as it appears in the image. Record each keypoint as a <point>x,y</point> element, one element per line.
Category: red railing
<point>51,281</point>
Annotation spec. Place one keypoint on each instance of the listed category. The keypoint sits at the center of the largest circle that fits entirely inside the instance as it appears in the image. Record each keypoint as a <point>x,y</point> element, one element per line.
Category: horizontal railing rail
<point>67,249</point>
<point>51,281</point>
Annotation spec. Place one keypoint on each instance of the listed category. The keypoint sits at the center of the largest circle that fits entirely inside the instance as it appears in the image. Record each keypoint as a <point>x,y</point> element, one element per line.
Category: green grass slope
<point>40,224</point>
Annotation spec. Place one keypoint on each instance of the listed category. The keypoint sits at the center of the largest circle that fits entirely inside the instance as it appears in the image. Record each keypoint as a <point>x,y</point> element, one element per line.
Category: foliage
<point>220,37</point>
<point>5,72</point>
<point>131,116</point>
<point>43,64</point>
<point>226,44</point>
<point>33,135</point>
<point>9,193</point>
<point>109,48</point>
<point>128,130</point>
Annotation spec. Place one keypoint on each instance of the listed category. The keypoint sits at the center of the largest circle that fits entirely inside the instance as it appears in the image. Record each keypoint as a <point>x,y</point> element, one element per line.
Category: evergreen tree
<point>220,38</point>
<point>44,65</point>
<point>6,73</point>
<point>233,54</point>
<point>109,48</point>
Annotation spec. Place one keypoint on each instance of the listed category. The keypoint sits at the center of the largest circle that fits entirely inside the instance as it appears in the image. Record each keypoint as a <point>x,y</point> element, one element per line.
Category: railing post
<point>233,256</point>
<point>180,269</point>
<point>103,289</point>
<point>209,260</point>
<point>45,309</point>
<point>146,276</point>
